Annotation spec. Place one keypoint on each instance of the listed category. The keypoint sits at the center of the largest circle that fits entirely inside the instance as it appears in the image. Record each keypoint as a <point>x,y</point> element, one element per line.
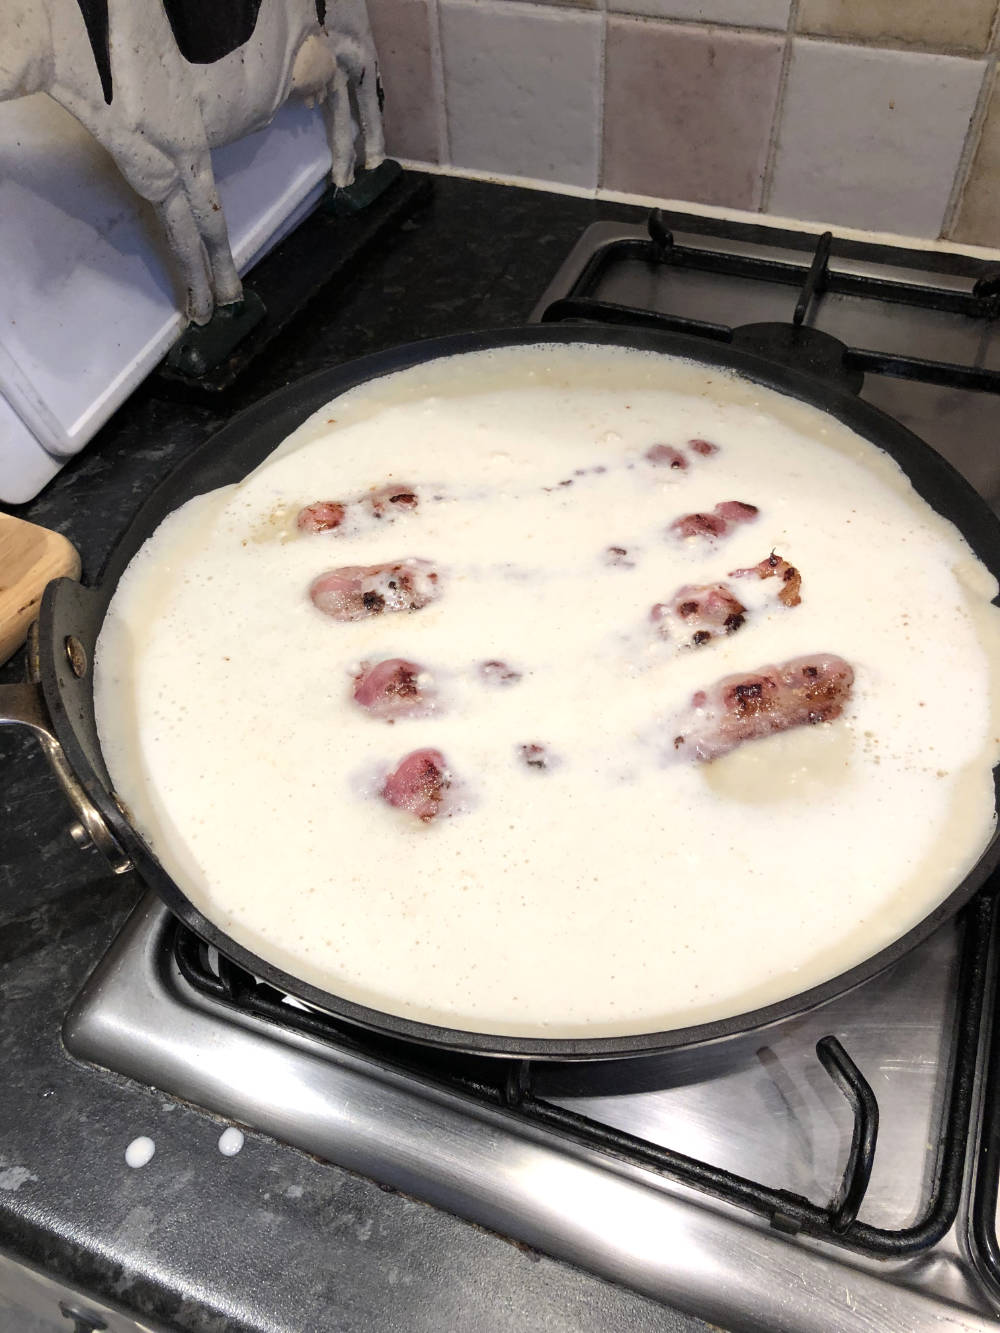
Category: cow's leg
<point>158,177</point>
<point>370,111</point>
<point>356,57</point>
<point>203,197</point>
<point>184,240</point>
<point>340,127</point>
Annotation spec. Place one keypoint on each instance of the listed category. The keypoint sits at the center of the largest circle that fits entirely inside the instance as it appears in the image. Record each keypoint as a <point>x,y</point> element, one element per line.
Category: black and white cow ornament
<point>159,83</point>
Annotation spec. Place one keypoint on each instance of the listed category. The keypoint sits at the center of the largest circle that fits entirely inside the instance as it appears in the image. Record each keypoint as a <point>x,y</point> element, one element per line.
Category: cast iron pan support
<point>857,1173</point>
<point>842,1212</point>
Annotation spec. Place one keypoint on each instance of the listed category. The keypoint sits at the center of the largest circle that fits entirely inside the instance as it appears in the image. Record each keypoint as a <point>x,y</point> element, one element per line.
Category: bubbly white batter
<point>624,889</point>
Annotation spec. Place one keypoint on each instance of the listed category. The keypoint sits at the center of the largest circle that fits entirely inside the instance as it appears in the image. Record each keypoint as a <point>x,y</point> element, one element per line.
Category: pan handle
<point>24,706</point>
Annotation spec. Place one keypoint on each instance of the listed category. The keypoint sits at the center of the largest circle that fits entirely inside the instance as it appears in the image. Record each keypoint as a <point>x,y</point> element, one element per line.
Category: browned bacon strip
<point>418,784</point>
<point>355,592</point>
<point>715,524</point>
<point>391,689</point>
<point>702,612</point>
<point>801,692</point>
<point>704,447</point>
<point>774,566</point>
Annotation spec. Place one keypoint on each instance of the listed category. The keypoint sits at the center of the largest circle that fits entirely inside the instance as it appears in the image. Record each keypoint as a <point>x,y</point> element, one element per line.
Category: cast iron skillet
<point>71,618</point>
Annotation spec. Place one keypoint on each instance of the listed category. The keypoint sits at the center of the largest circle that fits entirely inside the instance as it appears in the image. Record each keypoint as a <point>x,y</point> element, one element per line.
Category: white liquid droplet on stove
<point>230,1141</point>
<point>139,1151</point>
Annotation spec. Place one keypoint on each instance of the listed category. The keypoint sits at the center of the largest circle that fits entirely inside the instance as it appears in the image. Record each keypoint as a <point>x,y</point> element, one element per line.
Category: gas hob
<point>835,1172</point>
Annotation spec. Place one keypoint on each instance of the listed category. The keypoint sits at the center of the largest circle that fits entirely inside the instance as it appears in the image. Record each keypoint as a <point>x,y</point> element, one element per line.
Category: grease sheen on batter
<point>622,889</point>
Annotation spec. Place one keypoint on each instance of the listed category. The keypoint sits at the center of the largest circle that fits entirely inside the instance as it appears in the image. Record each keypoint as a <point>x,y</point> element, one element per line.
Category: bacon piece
<point>774,566</point>
<point>382,502</point>
<point>735,511</point>
<point>699,525</point>
<point>535,756</point>
<point>618,555</point>
<point>355,592</point>
<point>739,708</point>
<point>391,688</point>
<point>388,501</point>
<point>321,516</point>
<point>665,455</point>
<point>704,447</point>
<point>717,523</point>
<point>705,611</point>
<point>498,673</point>
<point>418,784</point>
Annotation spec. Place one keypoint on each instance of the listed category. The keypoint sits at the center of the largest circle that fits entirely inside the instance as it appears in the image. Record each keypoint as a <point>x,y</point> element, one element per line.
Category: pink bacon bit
<point>391,689</point>
<point>665,455</point>
<point>497,673</point>
<point>536,756</point>
<point>418,784</point>
<point>774,566</point>
<point>705,611</point>
<point>355,592</point>
<point>389,501</point>
<point>618,556</point>
<point>704,447</point>
<point>321,516</point>
<point>725,515</point>
<point>800,692</point>
<point>735,511</point>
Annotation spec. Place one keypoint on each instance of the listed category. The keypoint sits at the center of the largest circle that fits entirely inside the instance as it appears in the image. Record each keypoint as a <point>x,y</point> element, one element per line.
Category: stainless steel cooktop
<point>725,1181</point>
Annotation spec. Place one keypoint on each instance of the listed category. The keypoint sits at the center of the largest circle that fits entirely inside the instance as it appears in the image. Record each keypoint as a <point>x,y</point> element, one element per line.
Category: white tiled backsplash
<point>879,114</point>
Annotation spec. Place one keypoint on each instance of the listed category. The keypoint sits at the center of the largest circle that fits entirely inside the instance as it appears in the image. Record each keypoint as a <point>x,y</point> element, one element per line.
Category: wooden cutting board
<point>29,557</point>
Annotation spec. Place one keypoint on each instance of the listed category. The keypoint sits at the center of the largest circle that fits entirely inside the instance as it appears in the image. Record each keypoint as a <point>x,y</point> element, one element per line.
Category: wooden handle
<point>29,557</point>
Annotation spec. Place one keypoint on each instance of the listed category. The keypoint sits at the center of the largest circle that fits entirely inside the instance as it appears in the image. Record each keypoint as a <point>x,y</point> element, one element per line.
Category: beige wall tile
<point>745,13</point>
<point>402,38</point>
<point>872,138</point>
<point>978,220</point>
<point>523,88</point>
<point>688,111</point>
<point>929,23</point>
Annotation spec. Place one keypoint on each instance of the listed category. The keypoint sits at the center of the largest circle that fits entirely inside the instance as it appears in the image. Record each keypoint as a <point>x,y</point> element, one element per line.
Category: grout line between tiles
<point>691,23</point>
<point>438,88</point>
<point>835,39</point>
<point>602,93</point>
<point>900,45</point>
<point>779,109</point>
<point>967,156</point>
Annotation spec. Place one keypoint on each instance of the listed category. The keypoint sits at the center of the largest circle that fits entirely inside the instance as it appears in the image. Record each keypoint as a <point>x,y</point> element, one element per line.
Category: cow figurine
<point>161,82</point>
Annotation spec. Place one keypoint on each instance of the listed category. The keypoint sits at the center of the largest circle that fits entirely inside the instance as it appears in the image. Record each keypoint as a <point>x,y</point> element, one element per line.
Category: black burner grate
<point>512,1085</point>
<point>950,284</point>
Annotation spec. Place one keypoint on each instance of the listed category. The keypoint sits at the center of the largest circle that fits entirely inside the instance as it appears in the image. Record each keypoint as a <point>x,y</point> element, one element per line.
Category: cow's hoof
<point>343,200</point>
<point>201,348</point>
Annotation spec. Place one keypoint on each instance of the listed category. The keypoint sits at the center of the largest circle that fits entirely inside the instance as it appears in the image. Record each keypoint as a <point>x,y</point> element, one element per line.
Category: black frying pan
<point>71,618</point>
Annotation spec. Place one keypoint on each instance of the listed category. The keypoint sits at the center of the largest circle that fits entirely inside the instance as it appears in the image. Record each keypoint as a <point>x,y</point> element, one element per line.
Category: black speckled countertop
<point>269,1239</point>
